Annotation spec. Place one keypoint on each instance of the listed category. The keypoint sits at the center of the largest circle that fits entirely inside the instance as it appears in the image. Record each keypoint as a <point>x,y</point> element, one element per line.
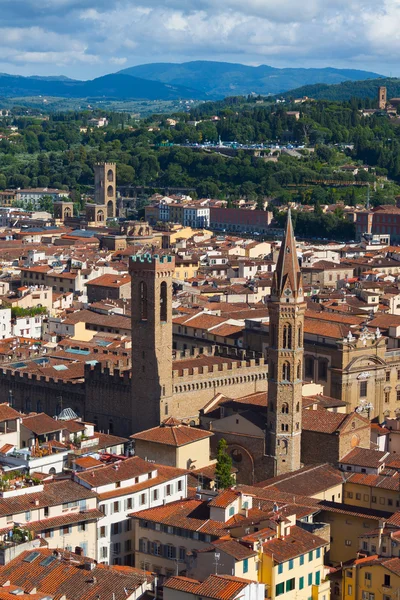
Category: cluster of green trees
<point>60,152</point>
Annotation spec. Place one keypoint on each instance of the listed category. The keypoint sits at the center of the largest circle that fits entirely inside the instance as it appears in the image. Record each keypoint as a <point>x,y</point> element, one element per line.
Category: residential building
<point>123,488</point>
<point>215,586</point>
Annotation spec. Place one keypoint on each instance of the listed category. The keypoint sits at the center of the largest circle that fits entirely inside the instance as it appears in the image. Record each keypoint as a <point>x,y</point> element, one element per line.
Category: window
<point>322,370</point>
<point>287,336</point>
<point>349,590</point>
<point>373,499</point>
<point>128,525</point>
<point>348,542</point>
<point>310,556</point>
<point>398,395</point>
<point>387,375</point>
<point>231,511</point>
<point>142,545</point>
<point>363,389</point>
<point>387,397</point>
<point>128,545</point>
<point>285,408</point>
<point>386,580</point>
<point>103,531</point>
<point>301,583</point>
<point>170,551</point>
<point>115,507</point>
<point>302,559</point>
<point>290,584</point>
<point>46,509</point>
<point>367,577</point>
<point>349,574</point>
<point>82,526</point>
<point>155,495</point>
<point>117,548</point>
<point>279,589</point>
<point>163,301</point>
<point>168,490</point>
<point>317,578</point>
<point>286,371</point>
<point>280,568</point>
<point>115,528</point>
<point>142,499</point>
<point>246,565</point>
<point>104,552</point>
<point>358,496</point>
<point>179,485</point>
<point>318,553</point>
<point>310,579</point>
<point>143,300</point>
<point>157,549</point>
<point>129,503</point>
<point>290,564</point>
<point>28,515</point>
<point>66,530</point>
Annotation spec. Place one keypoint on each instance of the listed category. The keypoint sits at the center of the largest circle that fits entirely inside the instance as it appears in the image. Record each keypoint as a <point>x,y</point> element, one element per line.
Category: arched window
<point>299,370</point>
<point>166,409</point>
<point>143,300</point>
<point>286,371</point>
<point>285,408</point>
<point>287,336</point>
<point>298,407</point>
<point>299,336</point>
<point>110,191</point>
<point>163,301</point>
<point>110,175</point>
<point>284,447</point>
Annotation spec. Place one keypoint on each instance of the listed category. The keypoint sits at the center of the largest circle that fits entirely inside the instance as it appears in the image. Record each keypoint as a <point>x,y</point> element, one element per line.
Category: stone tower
<point>285,357</point>
<point>151,339</point>
<point>382,97</point>
<point>105,192</point>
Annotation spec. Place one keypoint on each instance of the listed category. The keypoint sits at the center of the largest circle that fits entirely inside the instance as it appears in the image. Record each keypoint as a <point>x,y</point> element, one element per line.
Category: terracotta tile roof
<point>73,426</point>
<point>172,432</point>
<point>224,498</point>
<point>66,576</point>
<point>127,469</point>
<point>67,519</point>
<point>53,494</point>
<point>308,481</point>
<point>7,413</point>
<point>188,514</point>
<point>336,331</point>
<point>299,541</point>
<point>111,281</point>
<point>386,482</point>
<point>163,474</point>
<point>234,548</point>
<point>365,457</point>
<point>324,421</point>
<point>41,424</point>
<point>88,462</point>
<point>6,448</point>
<point>215,587</point>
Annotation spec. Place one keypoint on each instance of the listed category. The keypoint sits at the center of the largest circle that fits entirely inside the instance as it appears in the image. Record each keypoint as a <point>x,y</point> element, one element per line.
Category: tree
<point>223,476</point>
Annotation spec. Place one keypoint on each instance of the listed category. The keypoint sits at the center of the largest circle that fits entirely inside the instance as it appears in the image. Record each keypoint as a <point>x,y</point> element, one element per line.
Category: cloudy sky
<point>85,39</point>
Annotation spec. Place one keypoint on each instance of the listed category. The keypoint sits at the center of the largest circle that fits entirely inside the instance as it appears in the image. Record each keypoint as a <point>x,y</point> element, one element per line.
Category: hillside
<point>347,90</point>
<point>115,86</point>
<point>220,79</point>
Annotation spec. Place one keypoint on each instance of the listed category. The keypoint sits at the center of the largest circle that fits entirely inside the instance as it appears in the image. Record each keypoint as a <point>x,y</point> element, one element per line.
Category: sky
<point>84,39</point>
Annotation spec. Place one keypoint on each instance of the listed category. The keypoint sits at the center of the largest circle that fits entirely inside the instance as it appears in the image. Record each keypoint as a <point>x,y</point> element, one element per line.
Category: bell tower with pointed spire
<point>285,358</point>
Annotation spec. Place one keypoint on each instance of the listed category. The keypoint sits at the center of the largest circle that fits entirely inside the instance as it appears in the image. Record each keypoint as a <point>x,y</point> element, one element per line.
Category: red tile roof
<point>41,424</point>
<point>172,433</point>
<point>215,587</point>
<point>65,576</point>
<point>299,541</point>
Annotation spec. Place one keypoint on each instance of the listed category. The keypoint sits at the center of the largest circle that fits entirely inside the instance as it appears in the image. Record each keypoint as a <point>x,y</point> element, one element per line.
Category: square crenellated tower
<point>151,277</point>
<point>105,187</point>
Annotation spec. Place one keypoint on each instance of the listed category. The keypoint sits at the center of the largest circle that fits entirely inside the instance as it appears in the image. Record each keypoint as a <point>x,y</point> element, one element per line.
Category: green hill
<point>220,79</point>
<point>347,90</point>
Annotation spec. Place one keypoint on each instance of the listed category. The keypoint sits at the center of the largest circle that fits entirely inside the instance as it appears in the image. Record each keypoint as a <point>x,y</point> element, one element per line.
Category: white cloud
<point>75,33</point>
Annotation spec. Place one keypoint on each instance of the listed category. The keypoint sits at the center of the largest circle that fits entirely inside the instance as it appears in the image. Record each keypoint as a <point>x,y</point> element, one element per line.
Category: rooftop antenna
<point>217,556</point>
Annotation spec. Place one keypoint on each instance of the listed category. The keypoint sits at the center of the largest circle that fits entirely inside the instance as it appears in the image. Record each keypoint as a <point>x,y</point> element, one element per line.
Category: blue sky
<point>85,39</point>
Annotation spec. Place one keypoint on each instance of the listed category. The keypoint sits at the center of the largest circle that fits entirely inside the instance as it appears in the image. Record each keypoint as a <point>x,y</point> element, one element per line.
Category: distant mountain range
<point>111,87</point>
<point>221,79</point>
<point>347,90</point>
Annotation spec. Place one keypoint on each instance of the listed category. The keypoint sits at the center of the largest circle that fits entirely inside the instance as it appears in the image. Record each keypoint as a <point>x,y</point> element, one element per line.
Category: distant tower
<point>382,97</point>
<point>105,192</point>
<point>285,355</point>
<point>151,339</point>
